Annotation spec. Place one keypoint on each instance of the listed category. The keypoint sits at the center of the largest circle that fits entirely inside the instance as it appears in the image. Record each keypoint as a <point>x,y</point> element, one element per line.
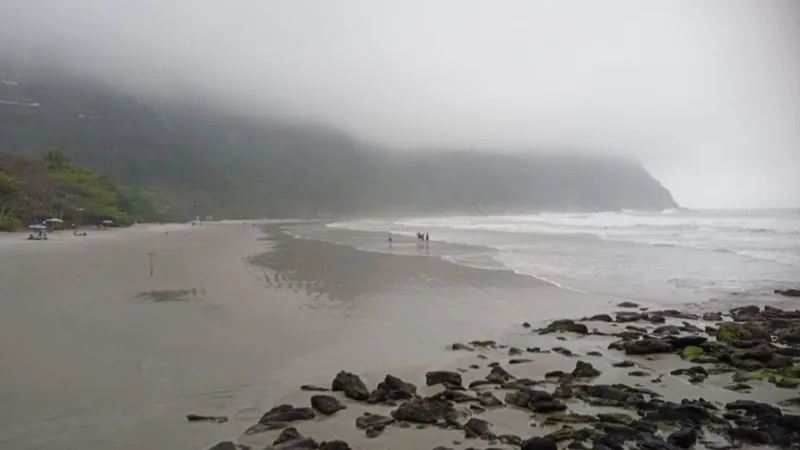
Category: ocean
<point>681,257</point>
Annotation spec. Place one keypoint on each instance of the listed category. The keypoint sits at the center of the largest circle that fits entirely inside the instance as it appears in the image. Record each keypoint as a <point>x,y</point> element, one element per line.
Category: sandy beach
<point>236,318</point>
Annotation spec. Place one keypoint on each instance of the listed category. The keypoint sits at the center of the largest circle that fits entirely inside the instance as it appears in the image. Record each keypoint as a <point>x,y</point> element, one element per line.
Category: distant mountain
<point>201,160</point>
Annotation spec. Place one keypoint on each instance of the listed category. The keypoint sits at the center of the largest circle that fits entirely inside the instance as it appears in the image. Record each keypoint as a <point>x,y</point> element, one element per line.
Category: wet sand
<point>99,354</point>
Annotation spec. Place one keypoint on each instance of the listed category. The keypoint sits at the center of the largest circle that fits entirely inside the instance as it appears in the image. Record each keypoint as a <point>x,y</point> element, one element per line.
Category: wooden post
<point>150,258</point>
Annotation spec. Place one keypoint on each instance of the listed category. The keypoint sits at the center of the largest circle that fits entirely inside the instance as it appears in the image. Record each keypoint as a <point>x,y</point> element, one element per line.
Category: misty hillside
<point>203,161</point>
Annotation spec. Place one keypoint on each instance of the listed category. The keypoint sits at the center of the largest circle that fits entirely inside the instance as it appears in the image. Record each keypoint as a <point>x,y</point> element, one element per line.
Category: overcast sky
<point>705,93</point>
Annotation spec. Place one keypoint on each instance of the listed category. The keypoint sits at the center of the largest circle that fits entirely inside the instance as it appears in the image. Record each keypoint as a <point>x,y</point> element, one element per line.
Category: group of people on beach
<point>422,239</point>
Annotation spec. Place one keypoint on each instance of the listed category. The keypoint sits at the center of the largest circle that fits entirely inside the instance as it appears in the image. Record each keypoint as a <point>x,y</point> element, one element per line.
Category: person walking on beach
<point>390,239</point>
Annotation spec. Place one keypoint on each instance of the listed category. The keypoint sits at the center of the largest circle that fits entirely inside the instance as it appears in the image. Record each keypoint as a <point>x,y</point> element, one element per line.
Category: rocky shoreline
<point>653,380</point>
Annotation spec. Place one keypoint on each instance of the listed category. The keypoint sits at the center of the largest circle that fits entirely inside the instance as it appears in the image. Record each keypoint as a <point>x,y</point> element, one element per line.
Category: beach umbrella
<point>54,220</point>
<point>107,222</point>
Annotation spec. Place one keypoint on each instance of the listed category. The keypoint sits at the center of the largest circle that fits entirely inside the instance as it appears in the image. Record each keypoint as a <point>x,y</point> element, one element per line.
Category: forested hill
<point>202,161</point>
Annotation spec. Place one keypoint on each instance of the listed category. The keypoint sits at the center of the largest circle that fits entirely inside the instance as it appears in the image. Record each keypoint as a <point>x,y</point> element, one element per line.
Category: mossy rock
<point>619,418</point>
<point>784,382</point>
<point>756,375</point>
<point>705,359</point>
<point>750,365</point>
<point>720,368</point>
<point>731,331</point>
<point>562,434</point>
<point>573,418</point>
<point>691,352</point>
<point>792,371</point>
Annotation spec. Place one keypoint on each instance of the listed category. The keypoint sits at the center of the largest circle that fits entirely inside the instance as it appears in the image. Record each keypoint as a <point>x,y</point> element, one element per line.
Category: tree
<point>56,159</point>
<point>9,189</point>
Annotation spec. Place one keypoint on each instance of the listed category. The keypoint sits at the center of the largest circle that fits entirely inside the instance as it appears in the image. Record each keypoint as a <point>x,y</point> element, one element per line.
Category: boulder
<point>368,420</point>
<point>623,364</point>
<point>625,317</point>
<point>499,375</point>
<point>647,346</point>
<point>539,443</point>
<point>565,325</point>
<point>681,342</point>
<point>445,377</point>
<point>585,370</point>
<point>729,332</point>
<point>326,404</point>
<point>424,411</point>
<point>352,386</point>
<point>548,406</point>
<point>286,413</point>
<point>459,346</point>
<point>478,428</point>
<point>788,292</point>
<point>600,318</point>
<point>287,434</point>
<point>224,445</point>
<point>712,316</point>
<point>627,305</point>
<point>334,445</point>
<point>656,319</point>
<point>313,388</point>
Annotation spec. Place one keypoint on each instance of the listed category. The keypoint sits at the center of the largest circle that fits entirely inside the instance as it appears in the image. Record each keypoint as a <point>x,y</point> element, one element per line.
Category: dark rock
<point>287,434</point>
<point>638,373</point>
<point>627,305</point>
<point>478,428</point>
<point>788,292</point>
<point>671,330</point>
<point>600,318</point>
<point>539,443</point>
<point>326,404</point>
<point>368,420</point>
<point>712,316</point>
<point>749,435</point>
<point>286,413</point>
<point>624,317</point>
<point>488,400</point>
<point>565,326</point>
<point>351,384</point>
<point>520,361</point>
<point>647,347</point>
<point>212,419</point>
<point>618,418</point>
<point>681,342</point>
<point>478,383</point>
<point>738,387</point>
<point>585,370</point>
<point>533,350</point>
<point>484,344</point>
<point>510,439</point>
<point>514,351</point>
<point>656,319</point>
<point>649,441</point>
<point>224,445</point>
<point>594,353</point>
<point>313,388</point>
<point>683,438</point>
<point>442,377</point>
<point>548,406</point>
<point>526,325</point>
<point>743,313</point>
<point>334,445</point>
<point>624,364</point>
<point>729,331</point>
<point>459,346</point>
<point>302,443</point>
<point>499,375</point>
<point>423,411</point>
<point>562,351</point>
<point>555,374</point>
<point>375,431</point>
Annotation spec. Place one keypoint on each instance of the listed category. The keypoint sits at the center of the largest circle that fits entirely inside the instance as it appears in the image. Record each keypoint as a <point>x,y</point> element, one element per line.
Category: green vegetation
<point>35,189</point>
<point>691,352</point>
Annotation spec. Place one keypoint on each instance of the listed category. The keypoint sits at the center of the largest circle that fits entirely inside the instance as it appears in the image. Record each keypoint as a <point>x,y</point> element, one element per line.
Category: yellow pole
<point>150,257</point>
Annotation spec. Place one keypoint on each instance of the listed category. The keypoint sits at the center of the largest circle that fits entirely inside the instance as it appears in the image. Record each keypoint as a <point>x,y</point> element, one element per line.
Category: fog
<point>705,94</point>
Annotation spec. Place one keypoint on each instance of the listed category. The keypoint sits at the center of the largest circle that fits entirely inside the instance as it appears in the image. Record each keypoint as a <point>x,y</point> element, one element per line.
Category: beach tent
<point>37,226</point>
<point>54,220</point>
